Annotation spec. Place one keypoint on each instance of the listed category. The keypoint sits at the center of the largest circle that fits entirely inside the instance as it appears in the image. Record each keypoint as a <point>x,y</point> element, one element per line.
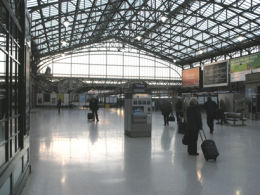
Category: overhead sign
<point>191,77</point>
<point>140,87</point>
<point>239,67</point>
<point>215,74</point>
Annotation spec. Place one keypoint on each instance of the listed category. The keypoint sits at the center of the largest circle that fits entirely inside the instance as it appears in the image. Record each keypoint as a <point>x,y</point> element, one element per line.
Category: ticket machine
<point>138,111</point>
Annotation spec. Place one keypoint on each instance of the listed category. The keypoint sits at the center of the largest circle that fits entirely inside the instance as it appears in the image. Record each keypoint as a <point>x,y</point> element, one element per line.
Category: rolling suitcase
<point>208,147</point>
<point>90,116</point>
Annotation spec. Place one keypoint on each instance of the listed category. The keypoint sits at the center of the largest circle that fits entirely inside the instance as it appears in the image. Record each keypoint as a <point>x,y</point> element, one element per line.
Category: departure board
<point>215,74</point>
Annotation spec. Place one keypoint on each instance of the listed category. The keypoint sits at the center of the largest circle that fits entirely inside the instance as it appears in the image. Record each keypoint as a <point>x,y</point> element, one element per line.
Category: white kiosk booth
<point>138,110</point>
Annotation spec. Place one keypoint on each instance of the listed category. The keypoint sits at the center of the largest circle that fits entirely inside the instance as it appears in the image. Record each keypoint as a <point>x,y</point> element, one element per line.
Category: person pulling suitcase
<point>93,105</point>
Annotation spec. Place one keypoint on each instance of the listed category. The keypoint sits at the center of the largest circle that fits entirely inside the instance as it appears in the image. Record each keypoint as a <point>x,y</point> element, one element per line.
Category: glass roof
<point>190,32</point>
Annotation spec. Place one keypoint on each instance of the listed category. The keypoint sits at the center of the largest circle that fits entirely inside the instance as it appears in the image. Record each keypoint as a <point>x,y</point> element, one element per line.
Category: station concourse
<point>131,58</point>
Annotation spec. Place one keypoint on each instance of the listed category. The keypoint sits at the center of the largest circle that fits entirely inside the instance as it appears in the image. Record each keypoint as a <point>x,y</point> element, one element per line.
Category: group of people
<point>189,112</point>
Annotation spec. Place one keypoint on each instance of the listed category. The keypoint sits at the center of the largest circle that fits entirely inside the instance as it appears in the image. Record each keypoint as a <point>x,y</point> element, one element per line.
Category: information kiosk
<point>138,110</point>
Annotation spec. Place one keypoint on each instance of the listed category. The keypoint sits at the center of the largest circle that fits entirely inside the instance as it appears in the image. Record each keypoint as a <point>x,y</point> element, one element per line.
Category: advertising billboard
<point>215,74</point>
<point>191,77</point>
<point>239,67</point>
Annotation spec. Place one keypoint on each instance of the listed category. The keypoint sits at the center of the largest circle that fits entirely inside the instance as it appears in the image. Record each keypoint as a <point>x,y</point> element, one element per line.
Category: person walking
<point>211,109</point>
<point>166,109</point>
<point>221,112</point>
<point>93,105</point>
<point>194,124</point>
<point>179,109</point>
<point>59,105</point>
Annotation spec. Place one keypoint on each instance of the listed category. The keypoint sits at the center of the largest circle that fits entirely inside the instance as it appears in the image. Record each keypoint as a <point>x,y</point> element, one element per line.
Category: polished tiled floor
<point>70,155</point>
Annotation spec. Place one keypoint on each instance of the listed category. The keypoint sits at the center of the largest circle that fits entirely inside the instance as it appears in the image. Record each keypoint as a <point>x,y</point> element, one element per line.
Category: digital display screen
<point>138,109</point>
<point>239,67</point>
<point>190,77</point>
<point>215,74</point>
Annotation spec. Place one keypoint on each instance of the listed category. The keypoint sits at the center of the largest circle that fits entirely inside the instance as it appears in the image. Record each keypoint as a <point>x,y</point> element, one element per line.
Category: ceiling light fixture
<point>201,51</point>
<point>240,38</point>
<point>138,38</point>
<point>163,18</point>
<point>64,43</point>
<point>66,23</point>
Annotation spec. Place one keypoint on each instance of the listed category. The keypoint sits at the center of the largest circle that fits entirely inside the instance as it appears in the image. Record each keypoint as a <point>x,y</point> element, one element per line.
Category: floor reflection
<point>166,138</point>
<point>137,164</point>
<point>70,155</point>
<point>194,184</point>
<point>93,132</point>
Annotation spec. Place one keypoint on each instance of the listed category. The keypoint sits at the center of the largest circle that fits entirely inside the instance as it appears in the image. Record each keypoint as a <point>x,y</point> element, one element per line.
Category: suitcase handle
<point>204,135</point>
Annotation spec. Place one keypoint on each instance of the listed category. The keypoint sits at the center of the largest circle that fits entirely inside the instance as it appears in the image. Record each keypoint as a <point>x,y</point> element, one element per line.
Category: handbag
<point>185,140</point>
<point>171,118</point>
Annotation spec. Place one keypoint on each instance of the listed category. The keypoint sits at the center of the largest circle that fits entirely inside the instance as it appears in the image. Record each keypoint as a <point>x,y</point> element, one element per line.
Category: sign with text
<point>191,77</point>
<point>239,67</point>
<point>215,74</point>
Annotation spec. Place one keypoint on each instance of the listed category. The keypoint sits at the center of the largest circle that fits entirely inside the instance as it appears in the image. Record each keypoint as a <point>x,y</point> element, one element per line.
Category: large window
<point>107,60</point>
<point>9,64</point>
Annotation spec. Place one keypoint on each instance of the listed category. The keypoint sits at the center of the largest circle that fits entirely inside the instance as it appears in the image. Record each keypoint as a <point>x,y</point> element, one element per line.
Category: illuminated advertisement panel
<point>215,74</point>
<point>239,67</point>
<point>191,77</point>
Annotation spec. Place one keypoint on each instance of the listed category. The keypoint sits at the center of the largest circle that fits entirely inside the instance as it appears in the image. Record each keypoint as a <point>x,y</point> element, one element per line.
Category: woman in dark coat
<point>194,123</point>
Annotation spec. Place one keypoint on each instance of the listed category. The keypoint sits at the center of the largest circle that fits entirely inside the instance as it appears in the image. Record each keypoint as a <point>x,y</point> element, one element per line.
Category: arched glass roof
<point>111,60</point>
<point>180,31</point>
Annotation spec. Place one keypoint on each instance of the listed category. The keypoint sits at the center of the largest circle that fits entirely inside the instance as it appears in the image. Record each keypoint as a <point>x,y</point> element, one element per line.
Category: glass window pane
<point>114,71</point>
<point>147,72</point>
<point>146,62</point>
<point>64,60</point>
<point>97,71</point>
<point>61,69</point>
<point>114,60</point>
<point>79,59</point>
<point>162,73</point>
<point>92,62</point>
<point>97,59</point>
<point>80,69</point>
<point>131,61</point>
<point>131,72</point>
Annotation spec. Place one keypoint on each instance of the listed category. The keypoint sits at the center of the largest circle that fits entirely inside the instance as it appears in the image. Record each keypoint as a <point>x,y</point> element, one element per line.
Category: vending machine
<point>138,111</point>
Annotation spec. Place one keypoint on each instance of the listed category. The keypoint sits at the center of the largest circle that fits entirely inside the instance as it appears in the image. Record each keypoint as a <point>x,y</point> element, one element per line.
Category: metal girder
<point>59,25</point>
<point>224,51</point>
<point>173,13</point>
<point>128,21</point>
<point>39,7</point>
<point>50,82</point>
<point>88,19</point>
<point>43,24</point>
<point>145,49</point>
<point>74,22</point>
<point>74,47</point>
<point>190,26</point>
<point>219,51</point>
<point>111,8</point>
